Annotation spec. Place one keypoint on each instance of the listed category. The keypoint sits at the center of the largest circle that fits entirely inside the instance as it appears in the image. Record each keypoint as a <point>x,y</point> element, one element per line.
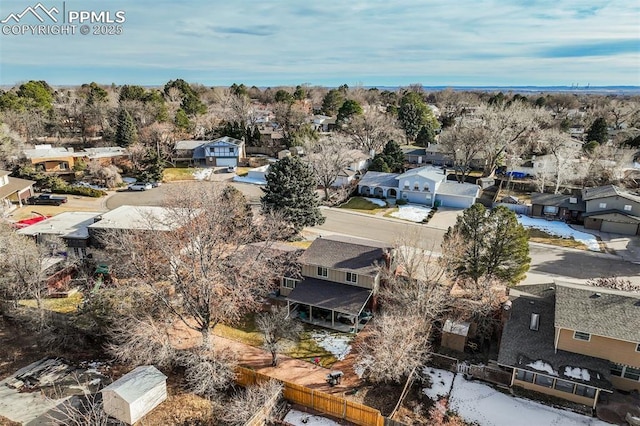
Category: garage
<point>454,202</point>
<point>225,162</point>
<point>619,228</point>
<point>457,195</point>
<point>417,197</point>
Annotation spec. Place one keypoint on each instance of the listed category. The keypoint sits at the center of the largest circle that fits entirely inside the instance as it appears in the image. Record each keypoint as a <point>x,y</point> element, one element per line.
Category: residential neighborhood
<point>329,261</point>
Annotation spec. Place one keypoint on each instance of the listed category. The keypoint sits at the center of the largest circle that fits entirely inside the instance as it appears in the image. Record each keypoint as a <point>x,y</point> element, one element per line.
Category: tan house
<point>339,277</point>
<point>572,341</point>
<point>13,190</point>
<point>60,160</point>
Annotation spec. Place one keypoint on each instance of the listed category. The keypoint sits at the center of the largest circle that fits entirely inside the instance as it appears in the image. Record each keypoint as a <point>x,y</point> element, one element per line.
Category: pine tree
<point>426,136</point>
<point>598,131</point>
<point>487,245</point>
<point>126,133</point>
<point>393,156</point>
<point>291,192</point>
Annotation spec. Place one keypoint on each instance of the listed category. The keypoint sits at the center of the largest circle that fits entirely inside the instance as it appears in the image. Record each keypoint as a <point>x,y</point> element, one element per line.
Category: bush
<point>79,190</point>
<point>401,202</point>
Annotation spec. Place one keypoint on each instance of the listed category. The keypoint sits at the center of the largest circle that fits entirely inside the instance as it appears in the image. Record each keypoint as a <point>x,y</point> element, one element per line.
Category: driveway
<point>445,217</point>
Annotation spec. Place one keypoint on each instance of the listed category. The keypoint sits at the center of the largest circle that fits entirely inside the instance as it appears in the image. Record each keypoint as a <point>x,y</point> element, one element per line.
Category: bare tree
<point>198,261</point>
<point>107,176</point>
<point>563,154</point>
<point>279,331</point>
<point>141,341</point>
<point>328,157</point>
<point>207,371</point>
<point>463,143</point>
<point>251,401</point>
<point>372,129</point>
<point>615,283</point>
<point>82,411</point>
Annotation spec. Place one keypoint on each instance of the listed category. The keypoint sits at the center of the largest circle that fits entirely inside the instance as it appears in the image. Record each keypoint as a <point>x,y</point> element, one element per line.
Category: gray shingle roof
<point>607,191</point>
<point>360,256</point>
<point>521,346</point>
<point>614,314</point>
<point>379,179</point>
<point>558,200</point>
<point>458,189</point>
<point>435,174</point>
<point>329,295</point>
<point>613,216</point>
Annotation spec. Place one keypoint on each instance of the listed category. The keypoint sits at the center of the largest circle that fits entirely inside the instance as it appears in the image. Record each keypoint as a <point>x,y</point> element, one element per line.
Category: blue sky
<point>269,43</point>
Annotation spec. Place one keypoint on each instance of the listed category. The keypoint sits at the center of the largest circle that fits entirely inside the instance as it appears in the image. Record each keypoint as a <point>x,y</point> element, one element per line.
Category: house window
<point>587,391</point>
<point>632,373</point>
<point>627,207</point>
<point>416,186</point>
<point>406,184</point>
<point>616,370</point>
<point>638,347</point>
<point>322,272</point>
<point>550,209</point>
<point>289,283</point>
<point>579,335</point>
<point>524,376</point>
<point>231,150</point>
<point>64,166</point>
<point>564,386</point>
<point>352,278</point>
<point>602,205</point>
<point>545,381</point>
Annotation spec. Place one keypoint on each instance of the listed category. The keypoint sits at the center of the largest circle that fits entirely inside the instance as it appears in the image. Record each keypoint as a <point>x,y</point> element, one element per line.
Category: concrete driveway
<point>445,217</point>
<point>626,247</point>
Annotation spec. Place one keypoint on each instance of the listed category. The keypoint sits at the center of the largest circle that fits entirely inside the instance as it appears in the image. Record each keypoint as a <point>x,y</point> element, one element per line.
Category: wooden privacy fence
<point>322,402</point>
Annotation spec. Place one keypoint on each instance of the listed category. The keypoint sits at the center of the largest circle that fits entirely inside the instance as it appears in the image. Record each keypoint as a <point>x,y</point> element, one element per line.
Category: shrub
<point>401,202</point>
<point>79,190</point>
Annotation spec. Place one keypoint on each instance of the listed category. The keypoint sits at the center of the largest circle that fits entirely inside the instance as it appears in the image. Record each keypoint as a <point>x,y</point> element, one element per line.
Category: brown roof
<point>350,254</point>
<point>14,186</point>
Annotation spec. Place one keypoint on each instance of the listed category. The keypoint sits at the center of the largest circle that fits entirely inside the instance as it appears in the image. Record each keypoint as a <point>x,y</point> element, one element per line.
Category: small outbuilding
<point>455,334</point>
<point>135,394</point>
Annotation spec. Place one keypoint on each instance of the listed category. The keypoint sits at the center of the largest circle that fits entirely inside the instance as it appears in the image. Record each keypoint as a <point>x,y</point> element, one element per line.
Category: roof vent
<point>637,303</point>
<point>573,200</point>
<point>596,295</point>
<point>534,324</point>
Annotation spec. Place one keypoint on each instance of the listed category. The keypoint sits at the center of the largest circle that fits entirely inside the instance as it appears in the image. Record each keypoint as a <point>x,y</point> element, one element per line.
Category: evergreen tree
<point>598,131</point>
<point>394,156</point>
<point>348,109</point>
<point>487,245</point>
<point>414,113</point>
<point>152,168</point>
<point>126,133</point>
<point>291,192</point>
<point>332,101</point>
<point>379,164</point>
<point>182,121</point>
<point>426,136</point>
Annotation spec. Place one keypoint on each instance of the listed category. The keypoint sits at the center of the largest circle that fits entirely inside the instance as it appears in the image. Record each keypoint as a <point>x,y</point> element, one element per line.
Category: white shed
<point>135,394</point>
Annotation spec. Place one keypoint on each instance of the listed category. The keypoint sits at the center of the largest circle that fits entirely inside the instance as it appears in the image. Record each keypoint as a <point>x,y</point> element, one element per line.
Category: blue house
<point>221,152</point>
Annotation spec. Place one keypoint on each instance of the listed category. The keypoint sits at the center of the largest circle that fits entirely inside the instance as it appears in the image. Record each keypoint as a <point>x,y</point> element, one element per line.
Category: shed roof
<point>136,383</point>
<point>344,298</point>
<point>599,311</point>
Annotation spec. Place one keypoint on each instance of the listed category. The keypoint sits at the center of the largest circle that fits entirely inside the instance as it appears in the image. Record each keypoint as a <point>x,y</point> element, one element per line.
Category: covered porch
<point>330,305</point>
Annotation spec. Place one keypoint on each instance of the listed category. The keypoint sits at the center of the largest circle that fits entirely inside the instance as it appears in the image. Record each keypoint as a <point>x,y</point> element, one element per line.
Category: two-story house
<point>424,185</point>
<point>572,341</point>
<point>221,152</point>
<point>339,277</point>
<point>13,190</point>
<point>611,209</point>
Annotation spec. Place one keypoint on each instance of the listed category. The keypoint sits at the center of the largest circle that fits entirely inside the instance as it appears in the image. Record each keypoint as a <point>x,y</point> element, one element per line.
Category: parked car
<point>140,186</point>
<point>47,200</point>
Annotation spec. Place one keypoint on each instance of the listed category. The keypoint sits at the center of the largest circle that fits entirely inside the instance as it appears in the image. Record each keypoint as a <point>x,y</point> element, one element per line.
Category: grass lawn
<point>242,171</point>
<point>178,173</point>
<point>307,349</point>
<point>245,332</point>
<point>300,244</point>
<point>359,203</point>
<point>393,210</point>
<point>63,305</point>
<point>538,236</point>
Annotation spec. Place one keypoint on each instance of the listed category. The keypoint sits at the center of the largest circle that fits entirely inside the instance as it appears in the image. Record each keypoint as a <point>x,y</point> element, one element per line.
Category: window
<point>352,278</point>
<point>564,386</point>
<point>550,209</point>
<point>602,205</point>
<point>627,207</point>
<point>579,335</point>
<point>231,150</point>
<point>524,376</point>
<point>616,370</point>
<point>289,283</point>
<point>638,347</point>
<point>632,373</point>
<point>545,381</point>
<point>587,391</point>
<point>64,166</point>
<point>322,272</point>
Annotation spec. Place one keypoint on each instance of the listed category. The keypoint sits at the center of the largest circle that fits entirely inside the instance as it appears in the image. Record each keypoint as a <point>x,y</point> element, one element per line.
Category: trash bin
<point>334,378</point>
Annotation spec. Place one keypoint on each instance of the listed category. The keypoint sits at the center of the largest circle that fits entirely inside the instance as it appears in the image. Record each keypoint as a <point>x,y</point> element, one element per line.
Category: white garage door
<point>456,202</point>
<point>224,162</point>
<point>417,198</point>
<point>619,228</point>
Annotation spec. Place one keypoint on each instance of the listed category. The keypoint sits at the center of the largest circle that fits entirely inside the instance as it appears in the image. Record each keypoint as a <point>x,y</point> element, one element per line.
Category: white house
<point>424,185</point>
<point>135,394</point>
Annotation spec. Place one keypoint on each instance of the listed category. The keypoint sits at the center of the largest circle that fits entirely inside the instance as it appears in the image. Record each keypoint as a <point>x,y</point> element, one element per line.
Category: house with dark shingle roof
<point>569,208</point>
<point>572,341</point>
<point>339,277</point>
<point>611,209</point>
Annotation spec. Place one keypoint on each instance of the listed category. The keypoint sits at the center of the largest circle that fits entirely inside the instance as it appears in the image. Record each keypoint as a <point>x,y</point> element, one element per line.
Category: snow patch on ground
<point>482,404</point>
<point>338,344</point>
<point>128,180</point>
<point>359,370</point>
<point>577,373</point>
<point>441,381</point>
<point>298,418</point>
<point>376,201</point>
<point>411,212</point>
<point>202,174</point>
<point>244,179</point>
<point>543,366</point>
<point>560,229</point>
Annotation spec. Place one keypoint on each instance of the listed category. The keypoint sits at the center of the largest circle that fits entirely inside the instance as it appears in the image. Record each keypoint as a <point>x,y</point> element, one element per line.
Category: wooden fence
<point>260,418</point>
<point>488,373</point>
<point>319,401</point>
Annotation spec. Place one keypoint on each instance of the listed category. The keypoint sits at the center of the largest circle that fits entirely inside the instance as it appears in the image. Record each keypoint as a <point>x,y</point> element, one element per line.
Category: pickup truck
<point>47,200</point>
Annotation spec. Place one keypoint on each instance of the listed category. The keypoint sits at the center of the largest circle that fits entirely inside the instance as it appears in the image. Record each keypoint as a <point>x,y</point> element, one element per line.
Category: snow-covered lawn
<point>338,344</point>
<point>298,418</point>
<point>441,381</point>
<point>202,174</point>
<point>376,201</point>
<point>482,404</point>
<point>560,229</point>
<point>411,212</point>
<point>244,179</point>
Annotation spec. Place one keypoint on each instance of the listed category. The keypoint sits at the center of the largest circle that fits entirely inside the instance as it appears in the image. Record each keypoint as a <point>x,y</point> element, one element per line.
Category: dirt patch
<point>18,348</point>
<point>181,409</point>
<point>383,397</point>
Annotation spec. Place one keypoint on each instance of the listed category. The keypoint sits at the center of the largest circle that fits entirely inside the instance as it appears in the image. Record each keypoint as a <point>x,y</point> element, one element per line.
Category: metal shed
<point>135,394</point>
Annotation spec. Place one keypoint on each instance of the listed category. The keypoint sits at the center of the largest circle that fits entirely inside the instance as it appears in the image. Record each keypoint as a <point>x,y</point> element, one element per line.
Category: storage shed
<point>135,394</point>
<point>454,335</point>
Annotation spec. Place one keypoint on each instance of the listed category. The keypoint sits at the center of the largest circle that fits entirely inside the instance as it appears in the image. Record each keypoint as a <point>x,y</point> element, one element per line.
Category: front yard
<point>365,205</point>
